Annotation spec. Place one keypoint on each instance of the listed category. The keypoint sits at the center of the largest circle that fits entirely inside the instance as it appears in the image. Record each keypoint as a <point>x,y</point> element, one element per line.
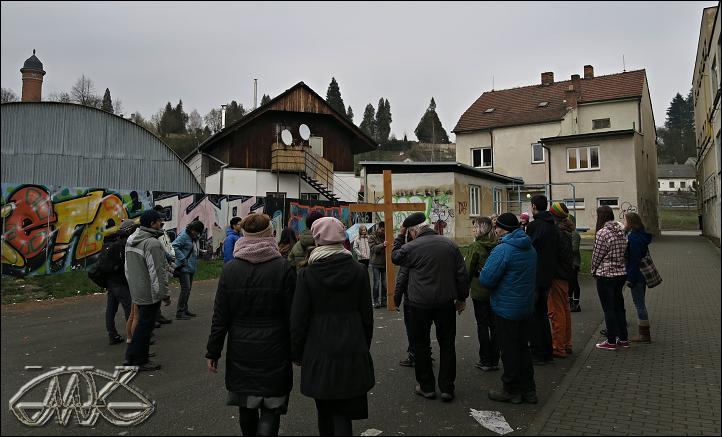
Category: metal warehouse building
<point>52,143</point>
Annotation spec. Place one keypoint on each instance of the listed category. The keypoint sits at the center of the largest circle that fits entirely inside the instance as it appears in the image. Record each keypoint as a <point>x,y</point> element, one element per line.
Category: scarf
<point>256,250</point>
<point>322,252</point>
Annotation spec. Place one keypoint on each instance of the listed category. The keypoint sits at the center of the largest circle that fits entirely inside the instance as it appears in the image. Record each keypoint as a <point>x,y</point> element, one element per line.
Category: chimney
<point>547,78</point>
<point>588,72</point>
<point>33,73</point>
<point>223,116</point>
<point>570,94</point>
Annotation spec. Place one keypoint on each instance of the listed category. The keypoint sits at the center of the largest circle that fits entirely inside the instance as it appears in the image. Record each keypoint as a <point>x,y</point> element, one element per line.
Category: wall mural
<point>440,209</point>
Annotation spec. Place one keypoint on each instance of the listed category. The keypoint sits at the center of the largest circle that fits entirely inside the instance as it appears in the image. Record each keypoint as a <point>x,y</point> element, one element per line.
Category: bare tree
<point>156,118</point>
<point>213,120</point>
<point>195,121</point>
<point>62,96</point>
<point>83,92</point>
<point>118,107</point>
<point>8,96</point>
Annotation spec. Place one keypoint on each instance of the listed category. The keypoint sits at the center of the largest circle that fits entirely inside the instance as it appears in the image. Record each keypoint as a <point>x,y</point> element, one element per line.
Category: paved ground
<point>190,401</point>
<point>668,387</point>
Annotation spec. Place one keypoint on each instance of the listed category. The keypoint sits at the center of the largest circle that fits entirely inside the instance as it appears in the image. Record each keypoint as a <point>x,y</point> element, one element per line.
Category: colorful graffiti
<point>298,213</point>
<point>439,210</point>
<point>57,229</point>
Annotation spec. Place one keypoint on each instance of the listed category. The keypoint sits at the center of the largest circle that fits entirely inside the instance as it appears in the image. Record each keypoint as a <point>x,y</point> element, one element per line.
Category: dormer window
<point>490,110</point>
<point>542,104</point>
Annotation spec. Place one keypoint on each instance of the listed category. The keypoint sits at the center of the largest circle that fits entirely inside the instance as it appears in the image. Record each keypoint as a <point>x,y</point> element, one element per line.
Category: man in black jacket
<point>438,285</point>
<point>544,236</point>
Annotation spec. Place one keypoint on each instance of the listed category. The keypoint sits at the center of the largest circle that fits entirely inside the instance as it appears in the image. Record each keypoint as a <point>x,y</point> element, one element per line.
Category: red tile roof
<point>518,106</point>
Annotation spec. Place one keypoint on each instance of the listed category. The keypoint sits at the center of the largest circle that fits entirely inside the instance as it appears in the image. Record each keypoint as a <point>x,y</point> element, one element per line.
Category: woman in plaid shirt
<point>608,268</point>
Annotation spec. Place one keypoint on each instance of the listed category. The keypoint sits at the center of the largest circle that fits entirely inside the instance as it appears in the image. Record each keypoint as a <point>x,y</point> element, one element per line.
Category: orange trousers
<point>560,316</point>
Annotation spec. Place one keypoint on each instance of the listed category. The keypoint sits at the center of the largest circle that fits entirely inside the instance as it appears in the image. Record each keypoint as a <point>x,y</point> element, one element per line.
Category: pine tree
<point>430,129</point>
<point>677,137</point>
<point>107,104</point>
<point>689,145</point>
<point>368,124</point>
<point>265,99</point>
<point>383,120</point>
<point>181,118</point>
<point>333,97</point>
<point>349,114</point>
<point>165,126</point>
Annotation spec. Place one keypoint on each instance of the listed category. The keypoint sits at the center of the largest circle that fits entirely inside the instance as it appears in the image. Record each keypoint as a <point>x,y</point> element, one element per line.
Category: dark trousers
<point>444,317</point>
<point>260,422</point>
<point>332,422</point>
<point>186,282</point>
<point>540,333</point>
<point>486,331</point>
<point>612,300</point>
<point>379,291</point>
<point>118,294</point>
<point>574,286</point>
<point>409,328</point>
<point>137,352</point>
<point>518,376</point>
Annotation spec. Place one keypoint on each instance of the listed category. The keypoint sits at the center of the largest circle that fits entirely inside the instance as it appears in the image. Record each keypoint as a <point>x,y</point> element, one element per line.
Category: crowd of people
<point>308,300</point>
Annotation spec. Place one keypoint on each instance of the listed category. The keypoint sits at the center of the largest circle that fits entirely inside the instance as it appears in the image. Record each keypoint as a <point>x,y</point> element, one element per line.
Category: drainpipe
<point>549,168</point>
<point>220,186</point>
<point>223,116</point>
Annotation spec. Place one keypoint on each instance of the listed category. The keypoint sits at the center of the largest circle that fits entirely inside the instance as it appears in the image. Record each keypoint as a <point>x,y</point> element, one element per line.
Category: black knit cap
<point>414,219</point>
<point>508,222</point>
<point>149,217</point>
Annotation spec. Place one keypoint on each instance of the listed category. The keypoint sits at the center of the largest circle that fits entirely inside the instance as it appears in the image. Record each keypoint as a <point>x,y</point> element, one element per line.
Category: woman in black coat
<point>252,306</point>
<point>331,330</point>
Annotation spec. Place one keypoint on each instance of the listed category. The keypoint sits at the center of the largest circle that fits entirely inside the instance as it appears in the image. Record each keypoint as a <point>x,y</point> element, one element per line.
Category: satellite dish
<point>286,137</point>
<point>305,132</point>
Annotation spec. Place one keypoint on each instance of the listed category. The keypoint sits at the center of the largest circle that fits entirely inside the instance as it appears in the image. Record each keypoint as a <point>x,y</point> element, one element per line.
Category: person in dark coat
<point>438,286</point>
<point>331,330</point>
<point>400,297</point>
<point>113,256</point>
<point>558,300</point>
<point>638,240</point>
<point>544,235</point>
<point>252,307</point>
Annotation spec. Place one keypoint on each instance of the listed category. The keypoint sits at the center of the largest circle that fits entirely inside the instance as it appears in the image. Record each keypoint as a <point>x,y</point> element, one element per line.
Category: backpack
<point>95,275</point>
<point>112,257</point>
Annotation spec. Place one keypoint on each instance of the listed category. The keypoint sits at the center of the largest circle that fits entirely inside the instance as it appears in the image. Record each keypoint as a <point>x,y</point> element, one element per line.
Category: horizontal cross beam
<point>380,207</point>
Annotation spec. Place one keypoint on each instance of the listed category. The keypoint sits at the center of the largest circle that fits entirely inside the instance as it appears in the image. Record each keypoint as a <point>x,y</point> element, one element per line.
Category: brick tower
<point>32,79</point>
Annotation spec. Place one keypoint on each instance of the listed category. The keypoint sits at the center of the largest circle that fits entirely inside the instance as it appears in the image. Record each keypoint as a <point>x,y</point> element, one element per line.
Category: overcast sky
<point>208,54</point>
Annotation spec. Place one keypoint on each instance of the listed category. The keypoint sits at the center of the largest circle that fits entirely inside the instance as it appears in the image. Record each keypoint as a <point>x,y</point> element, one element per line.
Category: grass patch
<point>17,290</point>
<point>586,265</point>
<point>678,219</point>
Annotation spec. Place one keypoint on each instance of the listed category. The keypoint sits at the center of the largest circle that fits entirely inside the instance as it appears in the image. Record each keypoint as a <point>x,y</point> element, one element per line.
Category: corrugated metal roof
<point>72,145</point>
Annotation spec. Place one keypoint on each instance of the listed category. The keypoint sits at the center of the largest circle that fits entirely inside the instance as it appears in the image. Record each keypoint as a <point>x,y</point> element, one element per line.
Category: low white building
<point>672,178</point>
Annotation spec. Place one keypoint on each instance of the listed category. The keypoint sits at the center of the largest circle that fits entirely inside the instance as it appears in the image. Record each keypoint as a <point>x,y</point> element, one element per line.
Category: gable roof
<point>377,167</point>
<point>294,99</point>
<point>676,171</point>
<point>518,106</point>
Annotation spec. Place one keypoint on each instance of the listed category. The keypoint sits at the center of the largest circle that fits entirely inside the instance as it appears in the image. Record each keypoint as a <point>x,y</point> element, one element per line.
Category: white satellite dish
<point>286,137</point>
<point>305,132</point>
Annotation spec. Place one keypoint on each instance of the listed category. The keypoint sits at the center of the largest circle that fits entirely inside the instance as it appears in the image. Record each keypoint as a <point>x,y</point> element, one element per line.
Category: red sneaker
<point>607,345</point>
<point>622,343</point>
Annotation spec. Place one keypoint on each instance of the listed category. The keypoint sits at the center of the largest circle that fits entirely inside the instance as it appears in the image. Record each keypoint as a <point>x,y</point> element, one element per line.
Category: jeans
<point>560,316</point>
<point>444,317</point>
<point>540,333</point>
<point>186,282</point>
<point>409,328</point>
<point>379,275</point>
<point>574,286</point>
<point>137,352</point>
<point>118,294</point>
<point>638,292</point>
<point>486,331</point>
<point>518,376</point>
<point>612,300</point>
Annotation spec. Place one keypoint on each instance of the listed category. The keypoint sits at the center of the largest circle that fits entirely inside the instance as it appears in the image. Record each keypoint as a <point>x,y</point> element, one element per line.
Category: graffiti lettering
<point>462,207</point>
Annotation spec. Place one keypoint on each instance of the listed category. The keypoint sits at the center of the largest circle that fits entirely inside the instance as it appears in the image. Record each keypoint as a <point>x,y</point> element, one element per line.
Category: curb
<point>545,413</point>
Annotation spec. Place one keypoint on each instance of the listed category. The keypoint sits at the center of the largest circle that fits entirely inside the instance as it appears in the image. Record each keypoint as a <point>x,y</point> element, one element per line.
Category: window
<point>573,204</point>
<point>671,184</point>
<point>612,202</point>
<point>583,158</point>
<point>542,104</point>
<point>683,184</point>
<point>601,123</point>
<point>713,76</point>
<point>490,110</point>
<point>481,157</point>
<point>537,154</point>
<point>659,185</point>
<point>474,200</point>
<point>309,196</point>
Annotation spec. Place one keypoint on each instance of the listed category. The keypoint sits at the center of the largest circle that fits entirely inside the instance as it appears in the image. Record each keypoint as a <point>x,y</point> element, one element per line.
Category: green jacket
<point>478,253</point>
<point>299,250</point>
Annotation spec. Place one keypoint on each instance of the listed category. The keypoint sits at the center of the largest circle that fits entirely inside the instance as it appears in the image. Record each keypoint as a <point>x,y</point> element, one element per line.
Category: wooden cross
<point>388,208</point>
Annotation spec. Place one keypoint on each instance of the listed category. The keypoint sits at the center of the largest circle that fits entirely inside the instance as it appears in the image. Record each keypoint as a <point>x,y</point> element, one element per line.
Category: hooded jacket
<point>565,260</point>
<point>186,252</point>
<point>300,249</point>
<point>377,250</point>
<point>479,252</point>
<point>544,235</point>
<point>229,243</point>
<point>145,267</point>
<point>608,253</point>
<point>437,273</point>
<point>332,327</point>
<point>637,248</point>
<point>509,274</point>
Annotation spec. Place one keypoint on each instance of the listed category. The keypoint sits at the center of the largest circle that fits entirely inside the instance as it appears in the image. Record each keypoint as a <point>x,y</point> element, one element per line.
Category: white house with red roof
<point>595,133</point>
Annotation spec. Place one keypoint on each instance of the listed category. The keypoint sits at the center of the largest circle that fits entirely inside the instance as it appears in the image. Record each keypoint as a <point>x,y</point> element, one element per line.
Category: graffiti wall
<point>439,209</point>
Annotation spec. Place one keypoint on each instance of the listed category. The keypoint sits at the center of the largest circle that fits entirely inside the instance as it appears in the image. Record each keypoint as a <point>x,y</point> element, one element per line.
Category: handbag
<point>649,271</point>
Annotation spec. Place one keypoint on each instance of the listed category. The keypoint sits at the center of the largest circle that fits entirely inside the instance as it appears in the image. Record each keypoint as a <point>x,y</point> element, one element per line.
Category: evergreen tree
<point>333,97</point>
<point>180,118</point>
<point>166,124</point>
<point>107,104</point>
<point>234,111</point>
<point>368,124</point>
<point>349,114</point>
<point>265,99</point>
<point>383,121</point>
<point>430,129</point>
<point>677,137</point>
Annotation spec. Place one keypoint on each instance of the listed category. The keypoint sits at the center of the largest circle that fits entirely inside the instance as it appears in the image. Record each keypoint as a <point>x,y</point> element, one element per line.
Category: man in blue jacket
<point>186,256</point>
<point>233,233</point>
<point>509,274</point>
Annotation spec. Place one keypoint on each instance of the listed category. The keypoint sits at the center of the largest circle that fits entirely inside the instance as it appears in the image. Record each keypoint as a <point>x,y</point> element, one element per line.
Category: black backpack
<point>111,260</point>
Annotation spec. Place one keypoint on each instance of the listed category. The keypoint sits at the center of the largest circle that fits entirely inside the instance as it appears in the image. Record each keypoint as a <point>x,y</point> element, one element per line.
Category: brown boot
<point>644,335</point>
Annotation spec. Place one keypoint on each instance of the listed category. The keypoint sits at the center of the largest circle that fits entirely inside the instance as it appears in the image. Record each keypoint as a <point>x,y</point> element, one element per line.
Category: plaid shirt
<point>608,256</point>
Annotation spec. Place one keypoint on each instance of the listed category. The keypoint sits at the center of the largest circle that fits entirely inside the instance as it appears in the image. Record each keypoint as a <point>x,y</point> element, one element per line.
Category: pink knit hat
<point>524,215</point>
<point>328,230</point>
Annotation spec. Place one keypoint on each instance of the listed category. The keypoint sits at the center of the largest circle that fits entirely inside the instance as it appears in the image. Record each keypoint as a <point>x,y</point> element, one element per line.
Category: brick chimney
<point>547,78</point>
<point>570,94</point>
<point>588,72</point>
<point>33,73</point>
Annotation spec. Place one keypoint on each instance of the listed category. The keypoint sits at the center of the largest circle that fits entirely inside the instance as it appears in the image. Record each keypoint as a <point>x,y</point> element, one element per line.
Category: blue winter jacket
<point>509,274</point>
<point>229,243</point>
<point>638,247</point>
<point>185,256</point>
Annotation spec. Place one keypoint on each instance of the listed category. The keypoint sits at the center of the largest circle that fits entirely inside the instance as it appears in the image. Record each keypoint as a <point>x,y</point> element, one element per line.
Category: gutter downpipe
<point>549,168</point>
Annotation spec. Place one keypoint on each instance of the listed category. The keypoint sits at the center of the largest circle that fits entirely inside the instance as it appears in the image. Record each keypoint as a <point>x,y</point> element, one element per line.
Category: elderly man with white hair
<point>438,285</point>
